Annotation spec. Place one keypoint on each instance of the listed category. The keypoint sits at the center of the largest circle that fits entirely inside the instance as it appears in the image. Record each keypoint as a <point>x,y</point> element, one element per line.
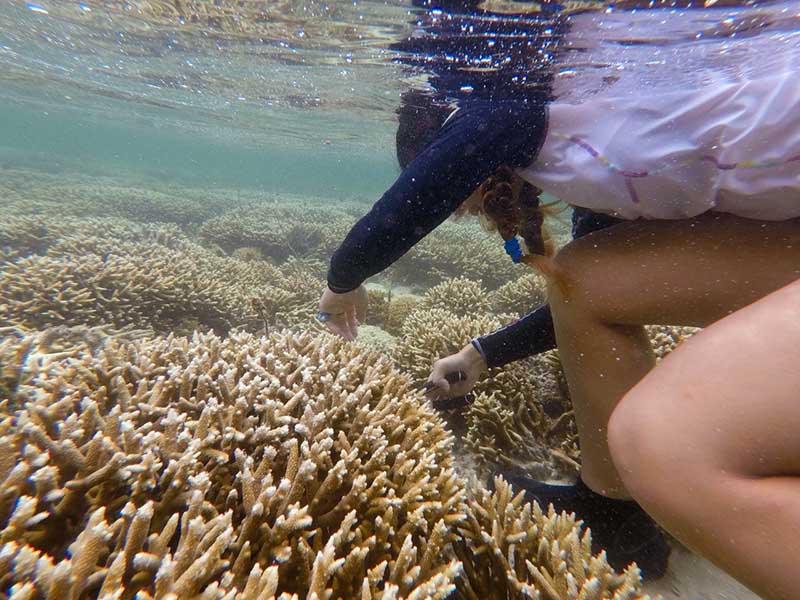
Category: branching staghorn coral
<point>519,296</point>
<point>511,549</point>
<point>28,192</point>
<point>23,354</point>
<point>143,287</point>
<point>510,428</point>
<point>285,467</point>
<point>460,296</point>
<point>507,425</point>
<point>280,231</point>
<point>40,234</point>
<point>455,250</point>
<point>218,466</point>
<point>399,309</point>
<point>376,339</point>
<point>428,335</point>
<point>103,271</point>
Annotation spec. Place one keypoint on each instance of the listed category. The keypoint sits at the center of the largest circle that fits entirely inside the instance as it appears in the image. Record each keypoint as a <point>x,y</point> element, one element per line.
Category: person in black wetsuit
<point>680,265</point>
<point>445,155</point>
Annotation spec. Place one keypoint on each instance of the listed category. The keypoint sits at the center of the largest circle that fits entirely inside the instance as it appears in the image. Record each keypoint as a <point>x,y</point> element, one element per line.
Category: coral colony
<point>174,424</point>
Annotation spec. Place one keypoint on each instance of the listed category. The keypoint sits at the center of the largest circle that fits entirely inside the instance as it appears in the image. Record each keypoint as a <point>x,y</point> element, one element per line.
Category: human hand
<point>342,313</point>
<point>468,361</point>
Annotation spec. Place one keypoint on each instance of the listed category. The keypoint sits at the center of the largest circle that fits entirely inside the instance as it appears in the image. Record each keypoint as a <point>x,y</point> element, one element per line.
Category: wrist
<point>340,290</point>
<point>473,357</point>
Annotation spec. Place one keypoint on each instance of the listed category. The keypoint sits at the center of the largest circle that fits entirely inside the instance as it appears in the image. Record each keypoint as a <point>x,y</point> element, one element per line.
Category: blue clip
<point>513,249</point>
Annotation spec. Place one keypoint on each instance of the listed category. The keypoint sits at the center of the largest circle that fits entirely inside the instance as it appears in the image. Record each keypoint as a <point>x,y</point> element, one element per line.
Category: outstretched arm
<point>483,135</point>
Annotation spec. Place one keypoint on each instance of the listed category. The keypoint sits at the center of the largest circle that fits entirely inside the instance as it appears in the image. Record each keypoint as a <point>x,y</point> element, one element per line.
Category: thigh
<point>729,398</point>
<point>688,272</point>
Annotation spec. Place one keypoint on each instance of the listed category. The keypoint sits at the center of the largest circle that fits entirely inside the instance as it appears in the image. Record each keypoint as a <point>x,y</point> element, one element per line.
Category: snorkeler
<point>689,170</point>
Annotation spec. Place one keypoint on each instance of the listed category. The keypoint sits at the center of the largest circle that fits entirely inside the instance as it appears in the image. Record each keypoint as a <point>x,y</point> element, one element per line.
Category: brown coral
<point>222,464</point>
<point>459,295</point>
<point>279,231</point>
<point>99,272</point>
<point>455,250</point>
<point>38,193</point>
<point>507,425</point>
<point>531,554</point>
<point>519,296</point>
<point>399,309</point>
<point>165,290</point>
<point>253,467</point>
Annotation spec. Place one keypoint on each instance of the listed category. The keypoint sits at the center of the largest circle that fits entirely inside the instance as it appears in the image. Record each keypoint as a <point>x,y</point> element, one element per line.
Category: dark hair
<point>515,212</point>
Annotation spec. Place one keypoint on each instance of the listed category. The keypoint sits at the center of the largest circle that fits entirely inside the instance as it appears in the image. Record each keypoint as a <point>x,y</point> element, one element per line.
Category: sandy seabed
<point>691,577</point>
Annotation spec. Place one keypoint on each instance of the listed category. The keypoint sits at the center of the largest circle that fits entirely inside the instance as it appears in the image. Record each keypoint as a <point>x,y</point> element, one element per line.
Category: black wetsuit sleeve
<point>480,137</point>
<point>534,333</point>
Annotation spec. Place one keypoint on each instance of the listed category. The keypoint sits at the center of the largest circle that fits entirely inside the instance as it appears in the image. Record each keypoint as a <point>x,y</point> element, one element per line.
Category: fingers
<point>361,313</point>
<point>352,323</point>
<point>338,324</point>
<point>346,311</point>
<point>439,388</point>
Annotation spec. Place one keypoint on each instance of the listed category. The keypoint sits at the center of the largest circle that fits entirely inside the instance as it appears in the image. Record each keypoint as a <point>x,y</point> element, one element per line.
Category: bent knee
<point>642,448</point>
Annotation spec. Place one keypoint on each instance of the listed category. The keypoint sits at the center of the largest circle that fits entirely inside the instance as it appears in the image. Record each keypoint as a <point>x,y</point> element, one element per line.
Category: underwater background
<point>174,177</point>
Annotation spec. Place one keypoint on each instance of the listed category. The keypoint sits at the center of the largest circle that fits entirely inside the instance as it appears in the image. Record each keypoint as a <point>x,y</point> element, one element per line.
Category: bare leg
<point>709,443</point>
<point>690,272</point>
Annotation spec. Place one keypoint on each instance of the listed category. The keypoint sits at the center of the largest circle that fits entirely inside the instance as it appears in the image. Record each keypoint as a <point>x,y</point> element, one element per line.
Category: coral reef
<point>376,339</point>
<point>665,339</point>
<point>39,234</point>
<point>207,465</point>
<point>289,466</point>
<point>118,273</point>
<point>136,285</point>
<point>37,193</point>
<point>247,253</point>
<point>519,296</point>
<point>399,309</point>
<point>378,308</point>
<point>531,554</point>
<point>456,250</point>
<point>507,425</point>
<point>429,335</point>
<point>279,231</point>
<point>460,296</point>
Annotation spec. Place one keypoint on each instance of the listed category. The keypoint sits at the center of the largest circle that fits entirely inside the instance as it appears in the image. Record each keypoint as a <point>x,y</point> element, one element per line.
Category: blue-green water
<point>303,104</point>
<point>135,146</point>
